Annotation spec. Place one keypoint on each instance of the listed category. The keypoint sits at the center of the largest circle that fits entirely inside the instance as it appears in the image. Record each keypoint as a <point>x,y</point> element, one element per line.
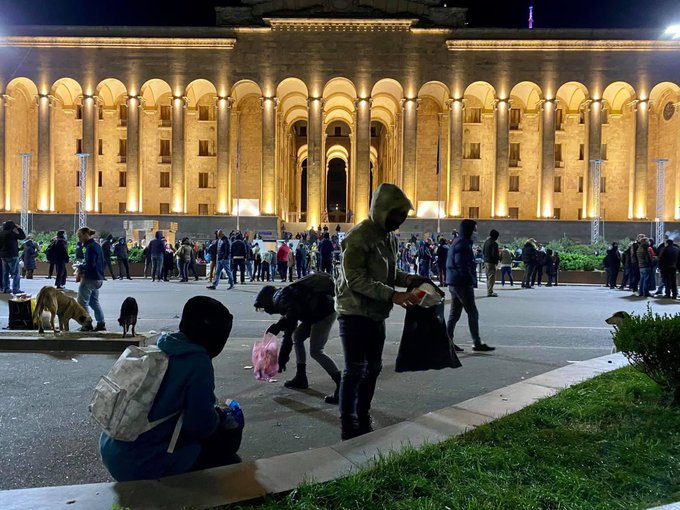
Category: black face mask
<point>391,224</point>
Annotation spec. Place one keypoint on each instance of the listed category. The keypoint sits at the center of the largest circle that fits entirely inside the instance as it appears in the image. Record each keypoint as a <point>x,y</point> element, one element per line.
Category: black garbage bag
<point>425,343</point>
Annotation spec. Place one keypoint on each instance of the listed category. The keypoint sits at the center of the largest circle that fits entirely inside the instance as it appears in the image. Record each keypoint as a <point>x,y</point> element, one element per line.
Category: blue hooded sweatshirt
<point>188,386</point>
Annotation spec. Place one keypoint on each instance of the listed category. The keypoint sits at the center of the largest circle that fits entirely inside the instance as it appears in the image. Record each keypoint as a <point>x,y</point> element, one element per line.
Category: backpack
<point>123,398</point>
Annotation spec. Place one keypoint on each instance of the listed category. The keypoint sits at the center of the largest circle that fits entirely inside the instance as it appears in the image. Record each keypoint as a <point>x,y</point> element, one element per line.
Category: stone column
<point>500,199</point>
<point>44,157</point>
<point>641,162</point>
<point>177,176</point>
<point>456,107</point>
<point>410,126</point>
<point>224,105</point>
<point>314,160</point>
<point>89,147</point>
<point>268,169</point>
<point>594,122</point>
<point>3,104</point>
<point>547,159</point>
<point>362,166</point>
<point>134,188</point>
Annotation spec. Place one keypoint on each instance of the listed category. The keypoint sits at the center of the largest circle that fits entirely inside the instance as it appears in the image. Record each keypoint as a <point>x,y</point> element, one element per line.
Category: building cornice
<point>340,25</point>
<point>118,42</point>
<point>560,45</point>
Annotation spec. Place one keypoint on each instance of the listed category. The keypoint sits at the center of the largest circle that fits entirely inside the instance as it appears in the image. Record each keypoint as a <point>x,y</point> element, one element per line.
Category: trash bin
<point>20,314</point>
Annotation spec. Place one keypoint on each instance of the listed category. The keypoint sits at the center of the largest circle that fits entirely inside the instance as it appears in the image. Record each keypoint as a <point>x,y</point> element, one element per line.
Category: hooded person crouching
<point>365,296</point>
<point>210,433</point>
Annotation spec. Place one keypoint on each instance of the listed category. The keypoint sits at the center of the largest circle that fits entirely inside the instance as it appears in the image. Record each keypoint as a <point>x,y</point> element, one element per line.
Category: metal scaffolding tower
<point>660,194</point>
<point>82,181</point>
<point>595,223</point>
<point>25,176</point>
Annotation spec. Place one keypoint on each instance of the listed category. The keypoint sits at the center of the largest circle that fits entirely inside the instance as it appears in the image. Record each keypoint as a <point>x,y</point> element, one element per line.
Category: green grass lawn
<point>607,443</point>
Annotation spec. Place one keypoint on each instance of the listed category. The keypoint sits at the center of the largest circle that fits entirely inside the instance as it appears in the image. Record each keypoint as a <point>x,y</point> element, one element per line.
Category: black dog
<point>128,315</point>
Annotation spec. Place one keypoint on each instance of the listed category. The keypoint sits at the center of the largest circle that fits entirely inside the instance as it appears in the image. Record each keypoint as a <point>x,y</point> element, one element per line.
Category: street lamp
<point>673,31</point>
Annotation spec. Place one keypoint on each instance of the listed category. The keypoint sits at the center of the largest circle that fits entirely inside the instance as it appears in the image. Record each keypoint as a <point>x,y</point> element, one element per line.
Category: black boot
<point>350,427</point>
<point>335,397</point>
<point>365,424</point>
<point>298,382</point>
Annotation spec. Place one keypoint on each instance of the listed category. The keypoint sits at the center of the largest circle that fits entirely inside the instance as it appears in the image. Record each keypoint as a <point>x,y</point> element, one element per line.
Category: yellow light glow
<point>245,207</point>
<point>428,209</point>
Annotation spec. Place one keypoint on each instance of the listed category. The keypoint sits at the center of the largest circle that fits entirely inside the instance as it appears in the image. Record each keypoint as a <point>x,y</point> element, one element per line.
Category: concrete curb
<point>69,341</point>
<point>254,479</point>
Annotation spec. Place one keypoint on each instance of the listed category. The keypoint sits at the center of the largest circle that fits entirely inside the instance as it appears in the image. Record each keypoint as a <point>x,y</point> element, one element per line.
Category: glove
<point>231,416</point>
<point>274,329</point>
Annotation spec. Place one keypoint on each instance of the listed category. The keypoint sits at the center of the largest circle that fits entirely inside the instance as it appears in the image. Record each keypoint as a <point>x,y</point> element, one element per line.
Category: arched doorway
<point>336,198</point>
<point>303,192</point>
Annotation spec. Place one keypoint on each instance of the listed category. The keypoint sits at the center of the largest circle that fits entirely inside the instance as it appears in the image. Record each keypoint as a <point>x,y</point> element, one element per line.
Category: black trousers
<point>107,263</point>
<point>363,340</point>
<point>529,270</point>
<point>61,274</point>
<point>239,264</point>
<point>671,282</point>
<point>122,263</point>
<point>327,265</point>
<point>219,449</point>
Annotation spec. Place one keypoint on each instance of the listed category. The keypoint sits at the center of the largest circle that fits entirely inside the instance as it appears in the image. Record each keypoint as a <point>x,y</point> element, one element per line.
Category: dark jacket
<point>57,251</point>
<point>146,254</point>
<point>238,248</point>
<point>9,240</point>
<point>644,258</point>
<point>490,251</point>
<point>29,255</point>
<point>529,254</point>
<point>157,245</point>
<point>106,249</point>
<point>668,260</point>
<point>212,250</point>
<point>461,269</point>
<point>92,267</point>
<point>120,250</point>
<point>223,248</point>
<point>80,254</point>
<point>189,387</point>
<point>442,252</point>
<point>613,259</point>
<point>326,249</point>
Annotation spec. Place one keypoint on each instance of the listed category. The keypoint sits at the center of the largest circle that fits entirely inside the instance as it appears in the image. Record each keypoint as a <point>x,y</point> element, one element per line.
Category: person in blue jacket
<point>91,271</point>
<point>210,434</point>
<point>461,277</point>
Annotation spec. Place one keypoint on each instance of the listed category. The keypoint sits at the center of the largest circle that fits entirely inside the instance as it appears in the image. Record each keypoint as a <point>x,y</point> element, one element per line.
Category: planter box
<point>136,270</point>
<point>582,277</point>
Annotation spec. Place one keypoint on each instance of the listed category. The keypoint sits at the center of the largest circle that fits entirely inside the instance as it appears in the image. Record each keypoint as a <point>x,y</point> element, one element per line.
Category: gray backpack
<point>123,397</point>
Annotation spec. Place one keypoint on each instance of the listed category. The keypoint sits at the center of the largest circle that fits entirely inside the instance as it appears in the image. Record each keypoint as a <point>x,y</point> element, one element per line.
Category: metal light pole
<point>660,195</point>
<point>82,181</point>
<point>439,179</point>
<point>238,172</point>
<point>595,223</point>
<point>25,168</point>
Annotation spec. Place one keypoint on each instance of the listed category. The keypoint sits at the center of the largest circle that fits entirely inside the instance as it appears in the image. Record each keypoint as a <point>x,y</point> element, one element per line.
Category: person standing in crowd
<point>461,277</point>
<point>146,255</point>
<point>238,258</point>
<point>183,256</point>
<point>257,258</point>
<point>122,255</point>
<point>442,252</point>
<point>491,259</point>
<point>529,260</point>
<point>223,256</point>
<point>91,274</point>
<point>168,262</point>
<point>212,251</point>
<point>58,252</point>
<point>424,259</point>
<point>326,251</point>
<point>192,260</point>
<point>266,264</point>
<point>644,259</point>
<point>157,249</point>
<point>550,267</point>
<point>80,253</point>
<point>540,264</point>
<point>249,259</point>
<point>291,262</point>
<point>612,265</point>
<point>282,260</point>
<point>106,250</point>
<point>668,265</point>
<point>29,256</point>
<point>301,260</point>
<point>625,260</point>
<point>556,259</point>
<point>635,268</point>
<point>308,311</point>
<point>506,266</point>
<point>365,296</point>
<point>10,235</point>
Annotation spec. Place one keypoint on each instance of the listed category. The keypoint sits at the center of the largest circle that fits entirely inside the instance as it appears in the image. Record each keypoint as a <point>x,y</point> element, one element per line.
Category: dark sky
<point>494,13</point>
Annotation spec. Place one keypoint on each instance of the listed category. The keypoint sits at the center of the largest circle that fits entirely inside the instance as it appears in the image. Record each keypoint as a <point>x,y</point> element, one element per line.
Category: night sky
<point>502,13</point>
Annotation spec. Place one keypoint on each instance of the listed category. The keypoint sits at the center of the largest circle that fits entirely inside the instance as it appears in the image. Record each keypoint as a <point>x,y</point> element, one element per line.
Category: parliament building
<point>296,110</point>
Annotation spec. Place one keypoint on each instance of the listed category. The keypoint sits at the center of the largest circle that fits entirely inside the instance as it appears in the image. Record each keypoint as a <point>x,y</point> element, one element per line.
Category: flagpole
<point>439,141</point>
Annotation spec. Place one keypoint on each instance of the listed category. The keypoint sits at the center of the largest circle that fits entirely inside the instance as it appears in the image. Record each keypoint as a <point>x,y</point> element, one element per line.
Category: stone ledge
<point>254,479</point>
<point>18,341</point>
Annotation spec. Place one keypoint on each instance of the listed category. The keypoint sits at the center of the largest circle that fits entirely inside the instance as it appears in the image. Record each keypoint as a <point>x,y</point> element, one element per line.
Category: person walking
<point>282,260</point>
<point>491,259</point>
<point>106,250</point>
<point>157,249</point>
<point>668,265</point>
<point>529,260</point>
<point>223,262</point>
<point>238,257</point>
<point>212,252</point>
<point>461,277</point>
<point>506,266</point>
<point>91,275</point>
<point>29,256</point>
<point>10,235</point>
<point>308,311</point>
<point>122,255</point>
<point>442,252</point>
<point>58,252</point>
<point>612,265</point>
<point>365,296</point>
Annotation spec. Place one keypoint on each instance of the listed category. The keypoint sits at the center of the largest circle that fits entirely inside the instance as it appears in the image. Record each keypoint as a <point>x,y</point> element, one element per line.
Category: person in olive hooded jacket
<point>365,296</point>
<point>210,433</point>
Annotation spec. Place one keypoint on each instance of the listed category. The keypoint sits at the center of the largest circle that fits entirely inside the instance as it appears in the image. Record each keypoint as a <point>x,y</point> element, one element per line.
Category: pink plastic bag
<point>266,357</point>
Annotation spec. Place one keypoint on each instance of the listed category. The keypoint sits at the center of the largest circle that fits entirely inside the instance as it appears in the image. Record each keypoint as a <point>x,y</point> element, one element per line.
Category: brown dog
<point>616,320</point>
<point>61,305</point>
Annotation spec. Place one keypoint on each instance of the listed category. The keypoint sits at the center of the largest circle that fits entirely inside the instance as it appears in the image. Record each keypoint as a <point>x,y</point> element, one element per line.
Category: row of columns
<point>360,191</point>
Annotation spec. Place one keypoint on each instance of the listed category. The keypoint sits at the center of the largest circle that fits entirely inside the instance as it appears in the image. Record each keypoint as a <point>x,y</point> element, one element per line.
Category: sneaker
<point>87,327</point>
<point>365,424</point>
<point>493,294</point>
<point>211,287</point>
<point>457,348</point>
<point>483,348</point>
<point>230,287</point>
<point>101,326</point>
